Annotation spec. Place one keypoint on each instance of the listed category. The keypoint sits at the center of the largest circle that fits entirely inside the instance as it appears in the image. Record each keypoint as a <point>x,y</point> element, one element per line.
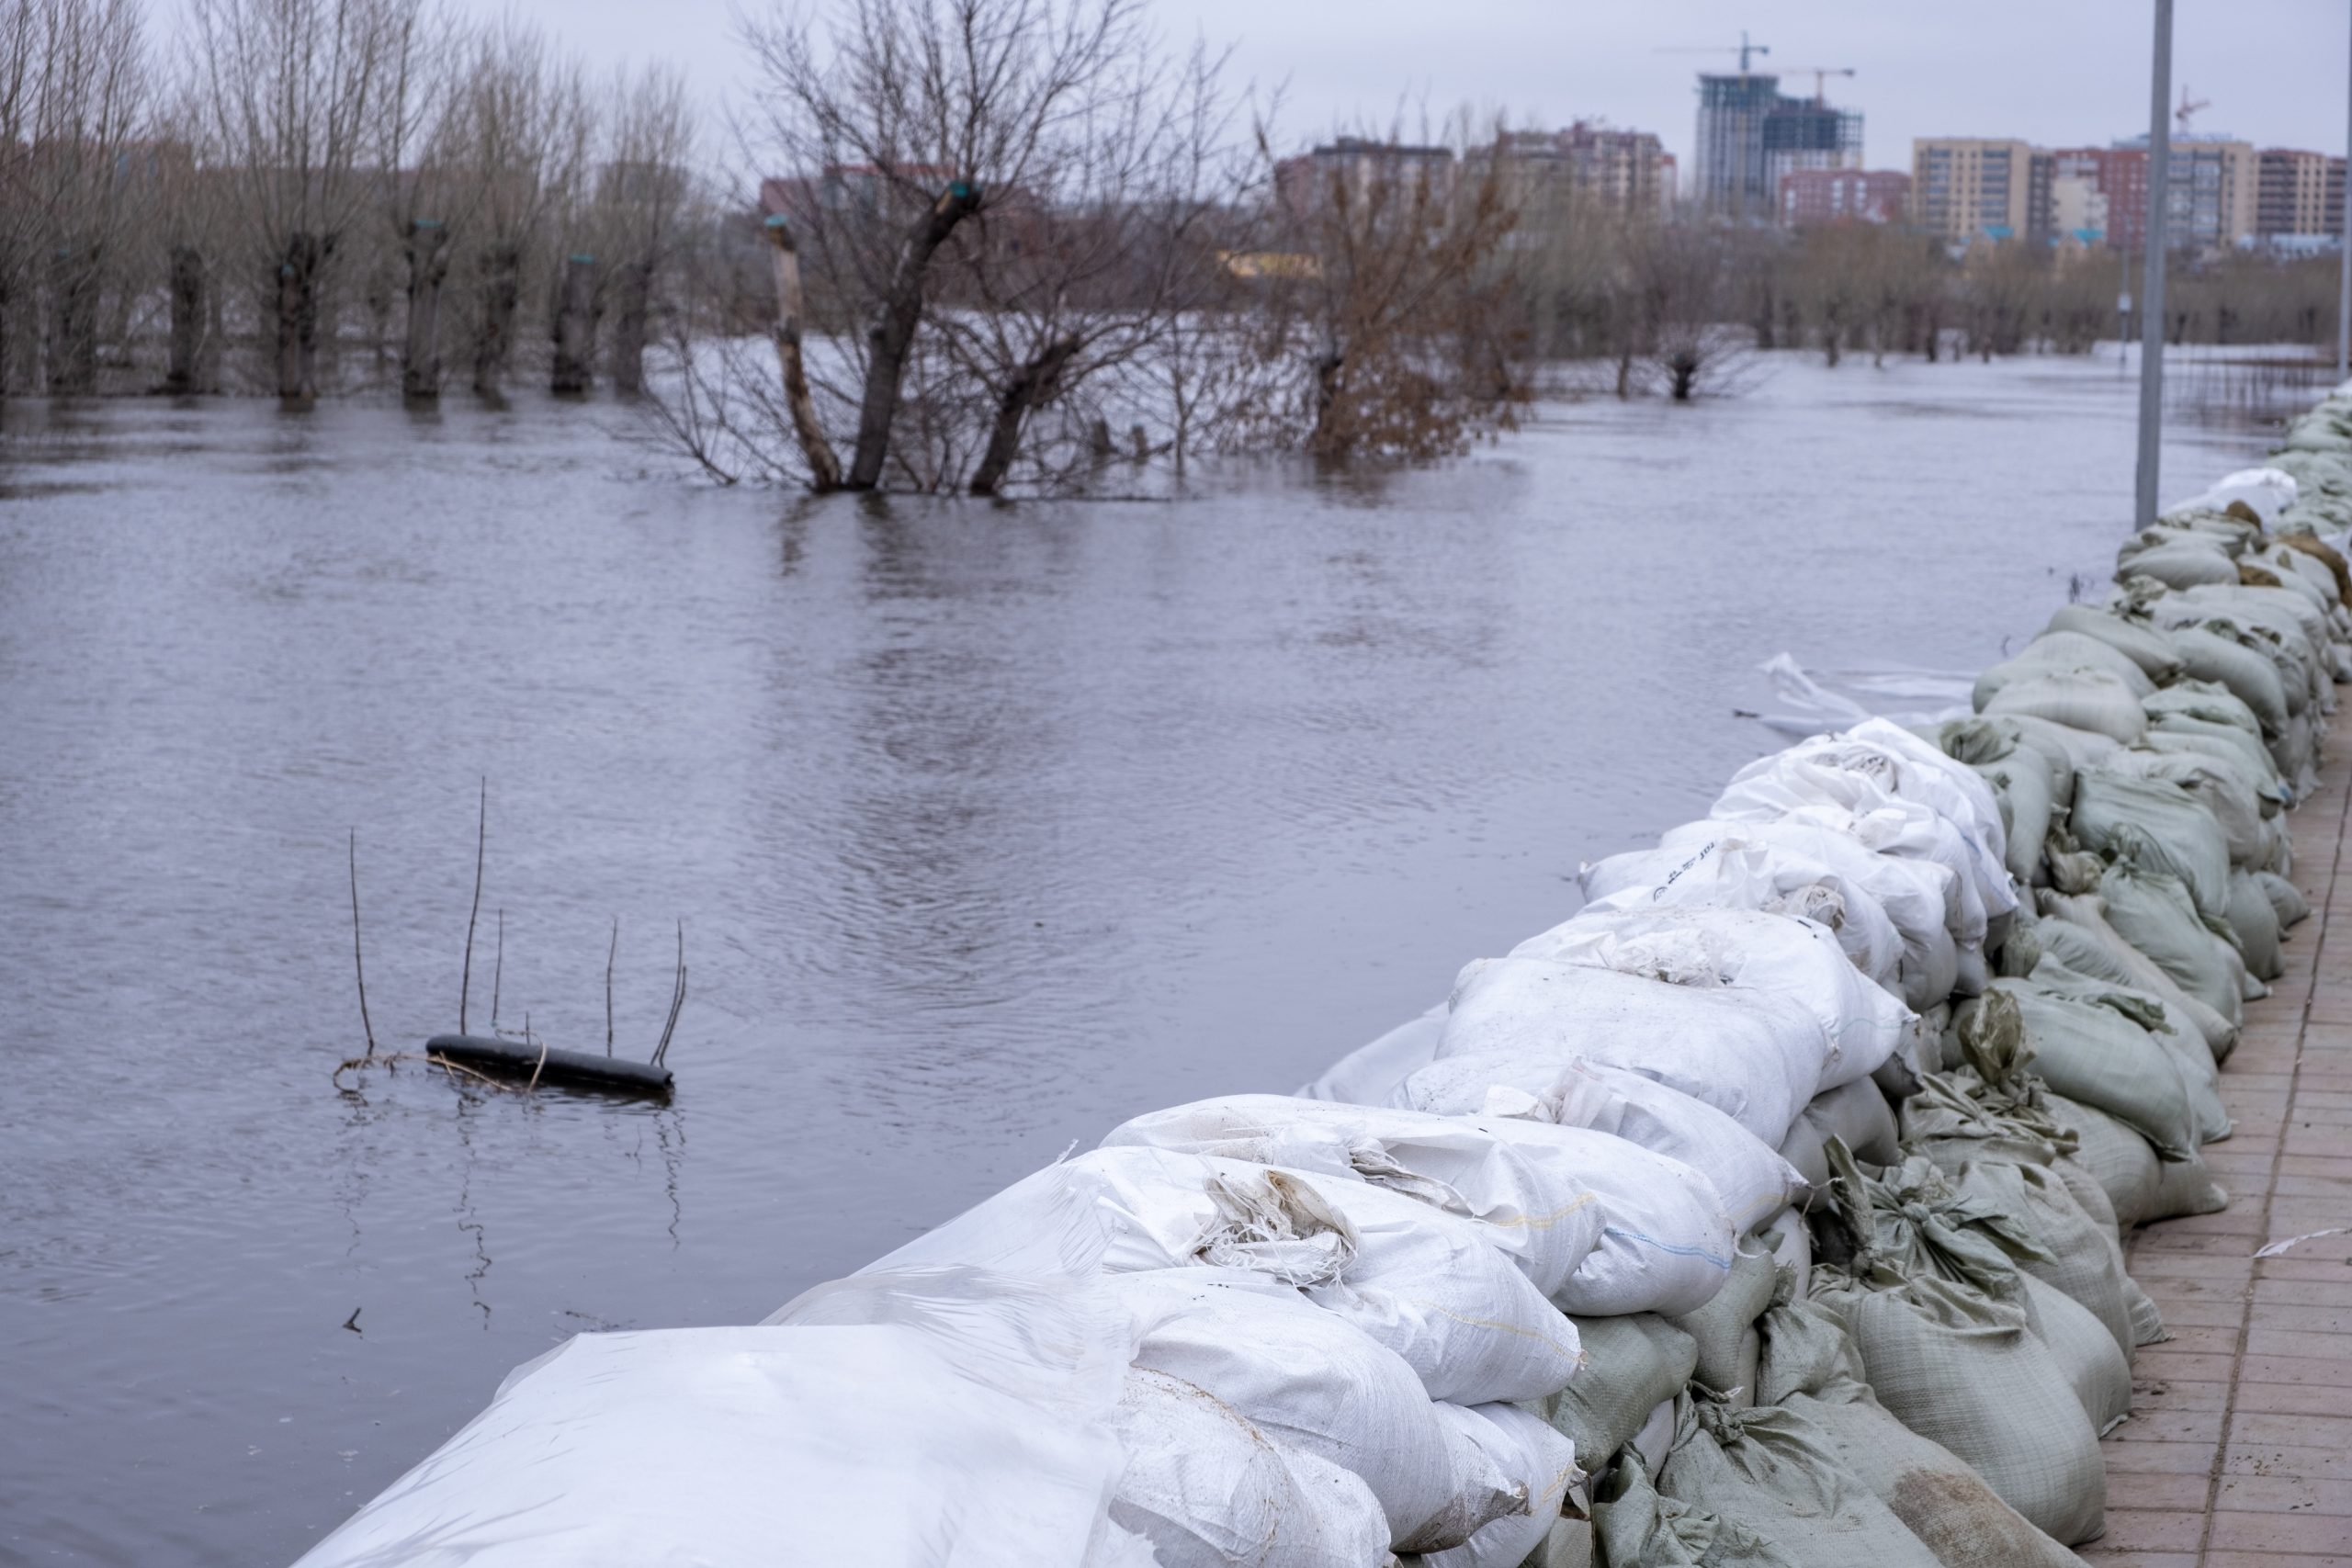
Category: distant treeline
<point>981,244</point>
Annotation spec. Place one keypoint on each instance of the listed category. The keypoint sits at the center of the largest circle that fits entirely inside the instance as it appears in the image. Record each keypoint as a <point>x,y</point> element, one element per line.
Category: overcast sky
<point>2052,72</point>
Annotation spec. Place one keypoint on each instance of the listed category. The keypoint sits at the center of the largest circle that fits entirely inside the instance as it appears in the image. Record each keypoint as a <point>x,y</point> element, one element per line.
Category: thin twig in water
<point>358,968</point>
<point>540,1066</point>
<point>677,998</point>
<point>498,970</point>
<point>482,838</point>
<point>610,956</point>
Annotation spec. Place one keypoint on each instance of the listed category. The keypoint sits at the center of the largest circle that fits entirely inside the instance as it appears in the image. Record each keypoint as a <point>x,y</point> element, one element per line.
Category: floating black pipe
<point>511,1059</point>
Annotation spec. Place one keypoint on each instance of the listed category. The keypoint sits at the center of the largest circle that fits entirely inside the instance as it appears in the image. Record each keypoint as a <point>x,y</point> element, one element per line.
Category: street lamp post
<point>2344,289</point>
<point>2152,284</point>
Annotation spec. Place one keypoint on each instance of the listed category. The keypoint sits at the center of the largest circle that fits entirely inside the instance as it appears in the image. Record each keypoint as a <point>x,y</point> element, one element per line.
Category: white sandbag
<point>1208,1490</point>
<point>1370,1074</point>
<point>1751,1181</point>
<point>1543,1466</point>
<point>1870,765</point>
<point>2082,699</point>
<point>1753,1056</point>
<point>1737,871</point>
<point>884,1444</point>
<point>1597,1224</point>
<point>1921,898</point>
<point>1746,951</point>
<point>1427,1284</point>
<point>1308,1379</point>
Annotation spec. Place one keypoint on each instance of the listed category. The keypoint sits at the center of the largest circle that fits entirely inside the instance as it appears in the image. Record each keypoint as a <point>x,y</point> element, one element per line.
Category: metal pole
<point>2344,292</point>
<point>2152,284</point>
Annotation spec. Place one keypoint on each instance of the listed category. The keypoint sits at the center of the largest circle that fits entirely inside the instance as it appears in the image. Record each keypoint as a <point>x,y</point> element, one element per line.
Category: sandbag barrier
<point>1766,1212</point>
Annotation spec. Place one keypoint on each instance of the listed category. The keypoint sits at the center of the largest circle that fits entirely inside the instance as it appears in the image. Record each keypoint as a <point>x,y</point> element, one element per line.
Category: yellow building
<point>1967,187</point>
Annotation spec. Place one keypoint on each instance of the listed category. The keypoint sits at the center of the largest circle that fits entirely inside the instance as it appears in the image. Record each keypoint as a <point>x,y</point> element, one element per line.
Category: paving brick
<point>2201,1426</point>
<point>2170,1459</point>
<point>2279,1459</point>
<point>2290,1533</point>
<point>2276,1494</point>
<point>2154,1529</point>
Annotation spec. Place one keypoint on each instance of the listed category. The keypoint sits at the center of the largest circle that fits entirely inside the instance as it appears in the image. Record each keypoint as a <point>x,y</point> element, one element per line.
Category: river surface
<point>988,825</point>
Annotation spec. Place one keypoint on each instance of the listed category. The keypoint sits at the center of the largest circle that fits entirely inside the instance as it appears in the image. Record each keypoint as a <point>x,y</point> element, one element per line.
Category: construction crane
<point>1820,74</point>
<point>2188,106</point>
<point>1743,49</point>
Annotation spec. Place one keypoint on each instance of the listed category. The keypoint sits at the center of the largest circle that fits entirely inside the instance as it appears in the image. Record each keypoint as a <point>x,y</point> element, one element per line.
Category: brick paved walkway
<point>2239,1452</point>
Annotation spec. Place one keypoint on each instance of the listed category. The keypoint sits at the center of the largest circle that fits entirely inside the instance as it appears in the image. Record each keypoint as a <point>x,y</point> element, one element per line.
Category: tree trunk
<point>575,327</point>
<point>428,264</point>
<point>501,295</point>
<point>187,319</point>
<point>1326,396</point>
<point>73,324</point>
<point>1030,386</point>
<point>626,362</point>
<point>824,468</point>
<point>298,319</point>
<point>893,331</point>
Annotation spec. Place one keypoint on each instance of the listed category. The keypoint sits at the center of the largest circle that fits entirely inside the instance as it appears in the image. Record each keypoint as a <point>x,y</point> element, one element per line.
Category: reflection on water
<point>991,826</point>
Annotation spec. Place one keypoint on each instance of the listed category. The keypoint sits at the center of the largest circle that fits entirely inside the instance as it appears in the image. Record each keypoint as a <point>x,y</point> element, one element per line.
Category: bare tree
<point>524,112</point>
<point>295,87</point>
<point>641,194</point>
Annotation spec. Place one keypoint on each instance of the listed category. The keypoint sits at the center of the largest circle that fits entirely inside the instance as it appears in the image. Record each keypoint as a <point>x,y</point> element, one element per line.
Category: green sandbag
<point>2256,920</point>
<point>2096,1368</point>
<point>1635,1528</point>
<point>2287,900</point>
<point>2199,1075</point>
<point>2251,678</point>
<point>1805,1347</point>
<point>2154,913</point>
<point>2177,834</point>
<point>2096,1054</point>
<point>2085,1261</point>
<point>2060,650</point>
<point>2075,933</point>
<point>2151,649</point>
<point>1776,1473</point>
<point>1725,1328</point>
<point>1939,1499</point>
<point>1956,1366</point>
<point>2123,1162</point>
<point>2083,699</point>
<point>1630,1365</point>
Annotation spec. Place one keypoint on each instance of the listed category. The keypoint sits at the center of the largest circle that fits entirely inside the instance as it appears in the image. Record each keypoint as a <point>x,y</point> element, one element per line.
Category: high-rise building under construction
<point>1750,134</point>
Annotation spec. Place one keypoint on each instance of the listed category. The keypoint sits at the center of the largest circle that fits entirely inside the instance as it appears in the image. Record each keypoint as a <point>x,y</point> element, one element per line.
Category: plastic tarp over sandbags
<point>1754,1055</point>
<point>1738,870</point>
<point>1309,1379</point>
<point>1921,896</point>
<point>982,1432</point>
<point>1745,951</point>
<point>1598,1225</point>
<point>1208,1490</point>
<point>1429,1285</point>
<point>1752,1182</point>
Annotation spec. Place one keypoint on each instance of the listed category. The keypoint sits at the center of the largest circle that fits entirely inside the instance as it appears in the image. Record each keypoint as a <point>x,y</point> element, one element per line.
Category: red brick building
<point>1810,197</point>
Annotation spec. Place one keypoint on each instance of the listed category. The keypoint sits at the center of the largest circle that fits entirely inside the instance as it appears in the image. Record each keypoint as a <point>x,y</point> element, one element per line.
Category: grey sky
<point>2054,72</point>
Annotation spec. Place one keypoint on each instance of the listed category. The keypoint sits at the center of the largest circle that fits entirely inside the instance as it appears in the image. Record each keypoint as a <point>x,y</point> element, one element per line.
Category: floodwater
<point>989,827</point>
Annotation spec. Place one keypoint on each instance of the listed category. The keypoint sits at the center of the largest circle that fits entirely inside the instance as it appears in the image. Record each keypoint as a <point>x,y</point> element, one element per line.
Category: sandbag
<point>2142,644</point>
<point>1537,1458</point>
<point>1965,1370</point>
<point>1208,1490</point>
<point>2199,1075</point>
<point>873,1443</point>
<point>1427,1284</point>
<point>2096,1054</point>
<point>1312,1381</point>
<point>1598,1225</point>
<point>1725,1329</point>
<point>2249,677</point>
<point>1745,950</point>
<point>2155,914</point>
<point>1950,1508</point>
<point>2214,782</point>
<point>1755,1056</point>
<point>1634,1361</point>
<point>2060,650</point>
<point>1750,1178</point>
<point>2080,748</point>
<point>1735,871</point>
<point>1857,1114</point>
<point>2179,565</point>
<point>2254,919</point>
<point>2096,1368</point>
<point>1634,1526</point>
<point>2077,934</point>
<point>2121,1161</point>
<point>2176,834</point>
<point>1919,897</point>
<point>1775,1472</point>
<point>2080,699</point>
<point>2287,901</point>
